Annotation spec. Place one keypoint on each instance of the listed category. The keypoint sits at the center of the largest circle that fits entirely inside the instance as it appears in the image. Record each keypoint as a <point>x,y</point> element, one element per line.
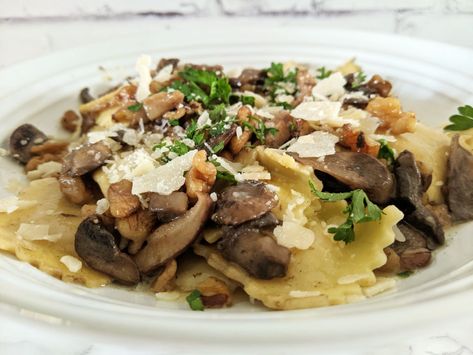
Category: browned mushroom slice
<point>96,245</point>
<point>357,171</point>
<point>164,281</point>
<point>252,246</point>
<point>282,122</point>
<point>158,104</point>
<point>136,227</point>
<point>74,189</point>
<point>413,252</point>
<point>23,139</point>
<point>163,62</point>
<point>243,202</point>
<point>122,202</point>
<point>86,158</point>
<point>305,82</point>
<point>168,207</point>
<point>249,79</point>
<point>460,181</point>
<point>409,199</point>
<point>171,239</point>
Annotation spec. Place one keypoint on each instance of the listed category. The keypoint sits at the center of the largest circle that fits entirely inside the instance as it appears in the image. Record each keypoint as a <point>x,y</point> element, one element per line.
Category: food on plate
<point>301,186</point>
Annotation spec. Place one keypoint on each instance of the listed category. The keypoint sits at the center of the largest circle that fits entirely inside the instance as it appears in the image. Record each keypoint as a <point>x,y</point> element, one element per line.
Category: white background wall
<point>30,28</point>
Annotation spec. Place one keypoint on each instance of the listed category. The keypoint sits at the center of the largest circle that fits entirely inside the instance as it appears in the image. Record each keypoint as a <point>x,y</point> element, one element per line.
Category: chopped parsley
<point>136,107</point>
<point>259,129</point>
<point>386,152</point>
<point>195,301</point>
<point>179,148</point>
<point>358,79</point>
<point>323,73</point>
<point>173,122</point>
<point>247,100</point>
<point>203,85</point>
<point>218,147</point>
<point>359,210</point>
<point>223,175</point>
<point>405,274</point>
<point>278,82</point>
<point>462,121</point>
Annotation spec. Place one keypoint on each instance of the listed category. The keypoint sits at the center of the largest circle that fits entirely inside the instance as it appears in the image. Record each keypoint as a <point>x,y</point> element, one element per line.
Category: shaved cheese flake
<point>44,170</point>
<point>204,120</point>
<point>331,87</point>
<point>317,144</point>
<point>164,74</point>
<point>213,196</point>
<point>317,110</point>
<point>304,294</point>
<point>102,206</point>
<point>263,113</point>
<point>73,264</point>
<point>293,235</point>
<point>97,136</point>
<point>238,132</point>
<point>382,284</point>
<point>168,296</point>
<point>12,203</point>
<point>164,179</point>
<point>30,231</point>
<point>349,279</point>
<point>142,67</point>
<point>131,165</point>
<point>260,101</point>
<point>387,138</point>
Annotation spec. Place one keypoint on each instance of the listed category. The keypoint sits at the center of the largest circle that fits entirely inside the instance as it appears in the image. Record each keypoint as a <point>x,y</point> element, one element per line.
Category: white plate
<point>431,79</point>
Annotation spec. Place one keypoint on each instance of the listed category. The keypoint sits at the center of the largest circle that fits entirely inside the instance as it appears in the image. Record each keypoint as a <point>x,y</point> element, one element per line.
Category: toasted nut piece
<point>388,109</point>
<point>40,159</point>
<point>122,202</point>
<point>165,280</point>
<point>227,155</point>
<point>136,227</point>
<point>237,143</point>
<point>52,147</point>
<point>70,120</point>
<point>214,293</point>
<point>176,114</point>
<point>74,189</point>
<point>88,210</point>
<point>357,141</point>
<point>201,177</point>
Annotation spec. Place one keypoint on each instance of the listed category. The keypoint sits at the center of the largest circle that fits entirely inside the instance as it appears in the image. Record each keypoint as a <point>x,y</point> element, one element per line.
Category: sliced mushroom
<point>158,104</point>
<point>85,96</point>
<point>86,158</point>
<point>168,207</point>
<point>243,202</point>
<point>283,122</point>
<point>136,227</point>
<point>96,245</point>
<point>122,202</point>
<point>413,252</point>
<point>410,189</point>
<point>75,189</point>
<point>249,79</point>
<point>171,239</point>
<point>164,281</point>
<point>357,171</point>
<point>305,83</point>
<point>163,62</point>
<point>460,181</point>
<point>252,246</point>
<point>23,139</point>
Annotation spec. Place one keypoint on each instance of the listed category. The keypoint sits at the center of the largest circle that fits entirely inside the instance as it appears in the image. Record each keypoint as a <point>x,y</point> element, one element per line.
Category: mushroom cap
<point>243,202</point>
<point>23,139</point>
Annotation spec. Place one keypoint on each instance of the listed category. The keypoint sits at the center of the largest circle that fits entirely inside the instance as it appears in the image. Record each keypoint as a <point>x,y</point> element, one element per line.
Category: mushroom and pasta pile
<point>301,186</point>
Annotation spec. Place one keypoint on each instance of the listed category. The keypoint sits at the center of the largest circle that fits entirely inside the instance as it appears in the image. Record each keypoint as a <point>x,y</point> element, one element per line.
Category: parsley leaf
<point>248,100</point>
<point>405,274</point>
<point>463,121</point>
<point>360,77</point>
<point>203,85</point>
<point>218,147</point>
<point>179,148</point>
<point>223,175</point>
<point>323,73</point>
<point>359,210</point>
<point>173,122</point>
<point>218,113</point>
<point>195,301</point>
<point>277,82</point>
<point>259,129</point>
<point>386,152</point>
<point>136,107</point>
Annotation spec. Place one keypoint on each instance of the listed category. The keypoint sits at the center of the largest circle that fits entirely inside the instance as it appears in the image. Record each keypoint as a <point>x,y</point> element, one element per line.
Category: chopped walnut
<point>388,109</point>
<point>70,121</point>
<point>202,175</point>
<point>214,293</point>
<point>34,162</point>
<point>122,202</point>
<point>136,227</point>
<point>237,143</point>
<point>74,189</point>
<point>357,141</point>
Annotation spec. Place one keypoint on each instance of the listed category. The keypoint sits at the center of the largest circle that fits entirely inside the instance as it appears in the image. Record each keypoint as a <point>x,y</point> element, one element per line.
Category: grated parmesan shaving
<point>348,279</point>
<point>204,120</point>
<point>213,197</point>
<point>102,206</point>
<point>293,235</point>
<point>13,203</point>
<point>304,294</point>
<point>316,144</point>
<point>331,87</point>
<point>382,284</point>
<point>164,179</point>
<point>164,74</point>
<point>73,264</point>
<point>142,67</point>
<point>44,170</point>
<point>30,231</point>
<point>129,166</point>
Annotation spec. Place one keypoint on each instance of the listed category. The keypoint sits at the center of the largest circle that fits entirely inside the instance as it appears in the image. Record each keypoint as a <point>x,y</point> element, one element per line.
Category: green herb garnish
<point>218,147</point>
<point>173,122</point>
<point>277,82</point>
<point>386,152</point>
<point>405,274</point>
<point>259,129</point>
<point>195,301</point>
<point>323,73</point>
<point>359,210</point>
<point>179,148</point>
<point>136,107</point>
<point>359,78</point>
<point>248,100</point>
<point>463,121</point>
<point>223,175</point>
<point>218,113</point>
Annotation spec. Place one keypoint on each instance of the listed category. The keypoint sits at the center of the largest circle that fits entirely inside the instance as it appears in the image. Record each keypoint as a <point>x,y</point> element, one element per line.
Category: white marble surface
<point>29,29</point>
